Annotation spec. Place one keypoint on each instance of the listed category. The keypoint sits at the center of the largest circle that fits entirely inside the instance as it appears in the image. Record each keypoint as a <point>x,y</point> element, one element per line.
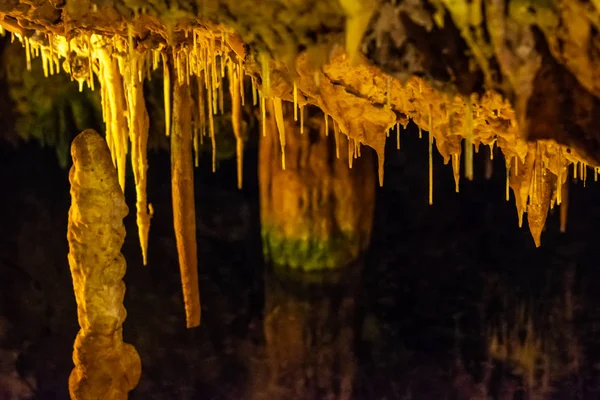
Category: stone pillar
<point>317,213</point>
<point>105,366</point>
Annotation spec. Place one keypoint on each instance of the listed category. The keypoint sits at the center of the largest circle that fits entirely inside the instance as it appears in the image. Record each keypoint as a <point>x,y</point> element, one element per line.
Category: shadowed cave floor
<point>462,263</point>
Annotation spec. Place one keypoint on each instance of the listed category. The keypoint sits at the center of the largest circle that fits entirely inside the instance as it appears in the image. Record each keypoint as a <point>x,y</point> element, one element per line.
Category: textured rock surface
<point>105,366</point>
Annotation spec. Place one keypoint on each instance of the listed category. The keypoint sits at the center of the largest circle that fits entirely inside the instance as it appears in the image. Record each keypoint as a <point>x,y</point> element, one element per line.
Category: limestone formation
<point>105,366</point>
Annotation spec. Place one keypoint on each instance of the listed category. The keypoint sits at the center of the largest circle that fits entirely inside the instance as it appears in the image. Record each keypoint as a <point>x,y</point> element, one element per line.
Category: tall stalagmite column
<point>316,213</point>
<point>105,367</point>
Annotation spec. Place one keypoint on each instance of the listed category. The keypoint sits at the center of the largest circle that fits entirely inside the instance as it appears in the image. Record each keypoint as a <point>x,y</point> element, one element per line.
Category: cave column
<point>317,213</point>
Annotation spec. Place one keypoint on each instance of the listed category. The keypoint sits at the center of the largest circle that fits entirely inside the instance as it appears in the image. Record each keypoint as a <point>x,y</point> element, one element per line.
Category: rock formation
<point>105,366</point>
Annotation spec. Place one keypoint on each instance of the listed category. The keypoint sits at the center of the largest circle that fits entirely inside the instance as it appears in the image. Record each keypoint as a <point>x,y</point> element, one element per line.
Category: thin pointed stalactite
<point>236,121</point>
<point>211,118</point>
<point>278,111</point>
<point>508,161</point>
<point>351,149</point>
<point>430,134</point>
<point>336,134</point>
<point>184,214</point>
<point>520,181</point>
<point>139,124</point>
<point>469,141</point>
<point>167,93</point>
<point>295,101</point>
<point>564,206</point>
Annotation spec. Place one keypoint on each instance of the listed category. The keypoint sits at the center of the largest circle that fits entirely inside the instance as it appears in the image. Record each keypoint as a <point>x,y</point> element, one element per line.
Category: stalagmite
<point>105,366</point>
<point>184,214</point>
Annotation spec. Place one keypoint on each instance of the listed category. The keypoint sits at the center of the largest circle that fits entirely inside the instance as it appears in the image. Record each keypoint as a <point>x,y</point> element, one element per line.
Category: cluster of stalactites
<point>204,64</point>
<point>537,172</point>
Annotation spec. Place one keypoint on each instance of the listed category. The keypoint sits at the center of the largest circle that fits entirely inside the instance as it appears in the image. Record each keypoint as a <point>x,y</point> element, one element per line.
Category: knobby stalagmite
<point>184,213</point>
<point>105,366</point>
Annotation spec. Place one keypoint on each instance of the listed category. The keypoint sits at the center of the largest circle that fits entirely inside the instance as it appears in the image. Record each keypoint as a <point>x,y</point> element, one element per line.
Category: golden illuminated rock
<point>317,212</point>
<point>105,366</point>
<point>184,211</point>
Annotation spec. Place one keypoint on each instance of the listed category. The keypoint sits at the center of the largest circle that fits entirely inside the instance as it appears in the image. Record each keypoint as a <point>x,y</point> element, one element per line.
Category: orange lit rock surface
<point>105,366</point>
<point>317,212</point>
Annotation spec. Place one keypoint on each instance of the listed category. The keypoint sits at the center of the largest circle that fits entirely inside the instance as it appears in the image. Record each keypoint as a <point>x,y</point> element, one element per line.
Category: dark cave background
<point>433,281</point>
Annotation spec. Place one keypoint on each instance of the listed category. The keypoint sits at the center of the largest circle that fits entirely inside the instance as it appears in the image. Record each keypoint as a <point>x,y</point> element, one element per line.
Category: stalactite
<point>520,181</point>
<point>167,93</point>
<point>295,101</point>
<point>564,206</point>
<point>336,138</point>
<point>263,114</point>
<point>201,114</point>
<point>114,104</point>
<point>234,88</point>
<point>508,162</point>
<point>184,215</point>
<point>430,134</point>
<point>456,171</point>
<point>278,110</point>
<point>211,119</point>
<point>469,141</point>
<point>266,75</point>
<point>139,124</point>
<point>539,197</point>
